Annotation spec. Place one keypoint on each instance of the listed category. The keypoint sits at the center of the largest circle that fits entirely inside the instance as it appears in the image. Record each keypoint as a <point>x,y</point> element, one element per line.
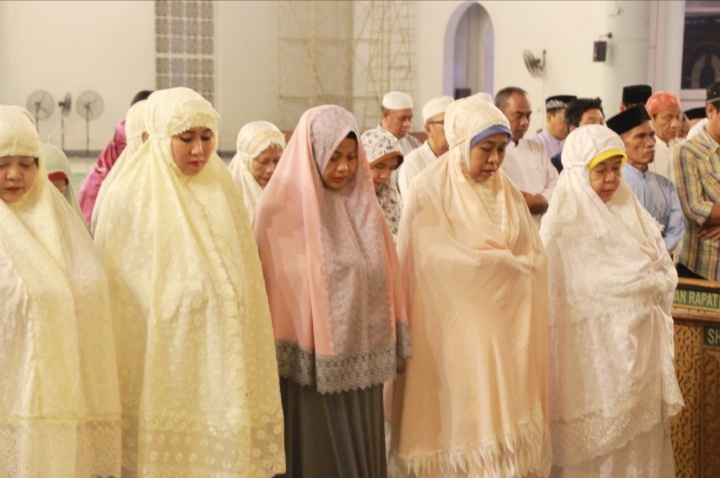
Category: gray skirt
<point>333,435</point>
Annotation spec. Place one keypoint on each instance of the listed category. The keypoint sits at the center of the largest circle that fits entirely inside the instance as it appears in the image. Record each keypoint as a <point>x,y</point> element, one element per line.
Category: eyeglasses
<point>441,122</point>
<point>267,162</point>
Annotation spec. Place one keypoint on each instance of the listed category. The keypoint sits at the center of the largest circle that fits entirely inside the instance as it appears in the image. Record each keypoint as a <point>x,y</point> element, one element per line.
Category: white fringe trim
<point>523,450</point>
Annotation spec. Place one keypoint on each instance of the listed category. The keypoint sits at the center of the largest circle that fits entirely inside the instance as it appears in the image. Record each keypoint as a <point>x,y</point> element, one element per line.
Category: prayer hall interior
<point>76,65</point>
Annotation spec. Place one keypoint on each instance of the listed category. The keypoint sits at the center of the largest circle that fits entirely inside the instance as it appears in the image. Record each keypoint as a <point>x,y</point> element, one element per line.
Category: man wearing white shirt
<point>664,109</point>
<point>435,146</point>
<point>526,163</point>
<point>552,137</point>
<point>397,115</point>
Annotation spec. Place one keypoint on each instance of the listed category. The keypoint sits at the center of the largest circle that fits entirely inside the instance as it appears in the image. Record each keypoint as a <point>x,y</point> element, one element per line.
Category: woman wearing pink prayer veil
<point>335,298</point>
<point>473,402</point>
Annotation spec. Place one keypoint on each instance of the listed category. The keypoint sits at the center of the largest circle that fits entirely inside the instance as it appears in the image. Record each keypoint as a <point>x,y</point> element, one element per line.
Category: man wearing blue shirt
<point>656,193</point>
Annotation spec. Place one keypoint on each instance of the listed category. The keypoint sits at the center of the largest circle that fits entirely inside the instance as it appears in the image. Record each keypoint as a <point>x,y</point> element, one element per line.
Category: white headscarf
<point>57,161</point>
<point>611,286</point>
<point>197,361</point>
<point>58,378</point>
<point>252,140</point>
<point>134,129</point>
<point>378,143</point>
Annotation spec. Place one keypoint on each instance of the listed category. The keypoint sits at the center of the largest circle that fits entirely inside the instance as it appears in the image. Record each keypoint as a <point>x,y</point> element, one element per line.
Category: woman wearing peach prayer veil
<point>198,375</point>
<point>473,400</point>
<point>59,401</point>
<point>335,299</point>
<point>612,283</point>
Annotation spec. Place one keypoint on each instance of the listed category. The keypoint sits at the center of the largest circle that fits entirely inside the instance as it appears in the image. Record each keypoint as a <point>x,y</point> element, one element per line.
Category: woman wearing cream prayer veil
<point>59,173</point>
<point>136,134</point>
<point>473,400</point>
<point>612,282</point>
<point>198,374</point>
<point>335,297</point>
<point>259,146</point>
<point>59,401</point>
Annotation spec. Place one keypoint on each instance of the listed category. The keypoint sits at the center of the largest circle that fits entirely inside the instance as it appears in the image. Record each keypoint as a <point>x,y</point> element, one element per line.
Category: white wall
<point>565,29</point>
<point>74,46</point>
<point>109,47</point>
<point>247,66</point>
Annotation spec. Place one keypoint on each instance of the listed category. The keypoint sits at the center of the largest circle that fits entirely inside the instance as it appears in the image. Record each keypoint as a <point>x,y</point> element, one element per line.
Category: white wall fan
<point>41,105</point>
<point>89,105</point>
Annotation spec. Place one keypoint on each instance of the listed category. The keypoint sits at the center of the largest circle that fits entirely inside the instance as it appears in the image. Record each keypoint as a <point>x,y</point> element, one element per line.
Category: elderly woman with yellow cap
<point>613,387</point>
<point>198,374</point>
<point>59,402</point>
<point>473,400</point>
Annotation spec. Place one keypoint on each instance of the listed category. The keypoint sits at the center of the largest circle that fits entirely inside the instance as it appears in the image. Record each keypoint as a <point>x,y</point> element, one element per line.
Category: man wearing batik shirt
<point>526,163</point>
<point>664,109</point>
<point>656,193</point>
<point>397,115</point>
<point>635,95</point>
<point>434,146</point>
<point>695,165</point>
<point>553,136</point>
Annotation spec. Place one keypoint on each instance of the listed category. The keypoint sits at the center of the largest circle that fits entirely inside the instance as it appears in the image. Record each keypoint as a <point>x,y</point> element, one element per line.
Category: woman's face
<point>382,168</point>
<point>605,177</point>
<point>60,184</point>
<point>263,166</point>
<point>17,176</point>
<point>342,165</point>
<point>487,156</point>
<point>191,149</point>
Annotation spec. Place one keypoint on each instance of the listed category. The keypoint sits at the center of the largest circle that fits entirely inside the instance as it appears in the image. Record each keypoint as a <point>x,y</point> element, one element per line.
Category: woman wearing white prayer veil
<point>136,134</point>
<point>198,373</point>
<point>613,387</point>
<point>259,146</point>
<point>59,401</point>
<point>474,399</point>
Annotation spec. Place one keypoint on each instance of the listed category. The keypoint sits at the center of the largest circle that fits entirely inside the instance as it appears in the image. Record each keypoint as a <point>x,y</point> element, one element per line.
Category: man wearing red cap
<point>664,109</point>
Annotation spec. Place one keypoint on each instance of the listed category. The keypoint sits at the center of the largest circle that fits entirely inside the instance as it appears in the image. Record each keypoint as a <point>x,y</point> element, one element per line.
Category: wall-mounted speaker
<point>599,50</point>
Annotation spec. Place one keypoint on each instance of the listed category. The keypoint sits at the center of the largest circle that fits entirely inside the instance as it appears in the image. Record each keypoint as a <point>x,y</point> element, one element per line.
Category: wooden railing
<point>696,431</point>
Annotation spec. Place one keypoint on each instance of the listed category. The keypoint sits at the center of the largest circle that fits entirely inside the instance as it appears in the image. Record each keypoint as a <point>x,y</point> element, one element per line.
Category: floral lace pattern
<point>195,351</point>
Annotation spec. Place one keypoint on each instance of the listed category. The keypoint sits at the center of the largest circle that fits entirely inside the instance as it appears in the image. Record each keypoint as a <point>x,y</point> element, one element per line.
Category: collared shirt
<point>659,197</point>
<point>696,165</point>
<point>551,145</point>
<point>663,158</point>
<point>697,127</point>
<point>414,164</point>
<point>527,165</point>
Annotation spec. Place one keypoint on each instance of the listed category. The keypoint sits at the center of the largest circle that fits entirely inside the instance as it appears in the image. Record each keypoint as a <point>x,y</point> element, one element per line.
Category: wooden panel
<point>686,425</point>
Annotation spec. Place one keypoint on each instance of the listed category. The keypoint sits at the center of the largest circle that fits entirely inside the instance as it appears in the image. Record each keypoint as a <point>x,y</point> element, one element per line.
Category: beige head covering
<point>59,400</point>
<point>57,161</point>
<point>134,129</point>
<point>197,363</point>
<point>474,398</point>
<point>253,138</point>
<point>611,284</point>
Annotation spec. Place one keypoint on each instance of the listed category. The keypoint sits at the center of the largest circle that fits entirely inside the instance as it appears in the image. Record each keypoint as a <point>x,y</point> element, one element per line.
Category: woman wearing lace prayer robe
<point>473,400</point>
<point>611,281</point>
<point>384,156</point>
<point>259,146</point>
<point>335,298</point>
<point>136,135</point>
<point>58,169</point>
<point>198,374</point>
<point>59,402</point>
